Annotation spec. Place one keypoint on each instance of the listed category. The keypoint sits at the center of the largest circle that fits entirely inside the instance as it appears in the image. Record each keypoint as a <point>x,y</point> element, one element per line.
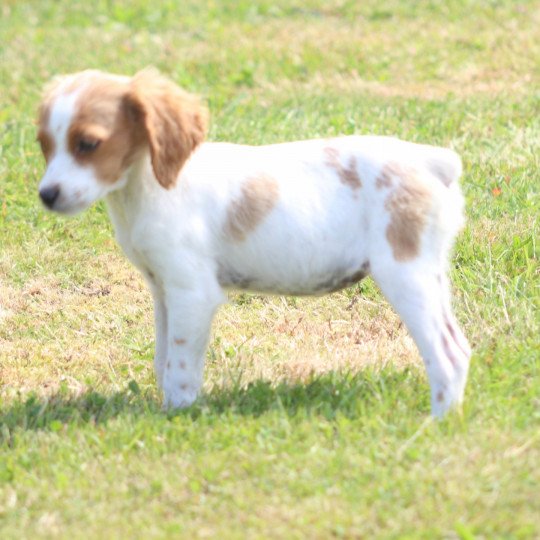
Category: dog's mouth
<point>53,200</point>
<point>69,210</point>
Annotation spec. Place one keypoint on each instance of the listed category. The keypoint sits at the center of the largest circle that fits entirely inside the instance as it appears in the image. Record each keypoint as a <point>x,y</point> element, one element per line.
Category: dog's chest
<point>130,234</point>
<point>132,250</point>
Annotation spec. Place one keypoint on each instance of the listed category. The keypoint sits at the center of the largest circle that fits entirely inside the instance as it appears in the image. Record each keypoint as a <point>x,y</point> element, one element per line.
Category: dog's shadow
<point>328,395</point>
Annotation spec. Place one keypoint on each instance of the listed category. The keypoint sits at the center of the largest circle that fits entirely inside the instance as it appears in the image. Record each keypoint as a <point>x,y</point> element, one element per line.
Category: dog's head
<point>93,126</point>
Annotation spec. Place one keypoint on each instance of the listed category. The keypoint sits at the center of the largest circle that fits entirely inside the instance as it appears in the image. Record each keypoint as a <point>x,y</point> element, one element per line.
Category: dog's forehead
<point>61,113</point>
<point>91,93</point>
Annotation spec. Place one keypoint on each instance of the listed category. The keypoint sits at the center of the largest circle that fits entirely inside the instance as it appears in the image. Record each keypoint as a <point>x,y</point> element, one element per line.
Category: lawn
<point>315,418</point>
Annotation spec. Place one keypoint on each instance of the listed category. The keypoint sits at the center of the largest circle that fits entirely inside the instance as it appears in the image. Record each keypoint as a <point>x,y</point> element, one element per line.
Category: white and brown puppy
<point>302,218</point>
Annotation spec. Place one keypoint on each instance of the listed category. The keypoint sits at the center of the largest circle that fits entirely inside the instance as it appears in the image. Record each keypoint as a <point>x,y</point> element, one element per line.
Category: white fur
<point>320,229</point>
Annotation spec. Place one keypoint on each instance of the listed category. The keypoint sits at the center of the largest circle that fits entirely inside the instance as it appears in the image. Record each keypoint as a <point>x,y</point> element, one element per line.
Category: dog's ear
<point>173,122</point>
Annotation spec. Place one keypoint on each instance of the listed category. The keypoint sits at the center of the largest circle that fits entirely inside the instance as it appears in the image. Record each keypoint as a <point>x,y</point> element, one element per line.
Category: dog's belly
<point>317,285</point>
<point>295,281</point>
<point>305,259</point>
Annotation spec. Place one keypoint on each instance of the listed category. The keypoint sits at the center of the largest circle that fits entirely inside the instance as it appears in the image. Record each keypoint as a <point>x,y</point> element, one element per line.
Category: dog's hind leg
<point>420,296</point>
<point>415,215</point>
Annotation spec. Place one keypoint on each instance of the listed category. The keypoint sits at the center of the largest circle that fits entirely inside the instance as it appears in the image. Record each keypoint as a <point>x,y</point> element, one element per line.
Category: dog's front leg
<point>160,326</point>
<point>189,318</point>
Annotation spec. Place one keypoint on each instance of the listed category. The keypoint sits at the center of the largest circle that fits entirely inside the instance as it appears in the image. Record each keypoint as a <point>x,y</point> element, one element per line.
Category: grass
<point>314,422</point>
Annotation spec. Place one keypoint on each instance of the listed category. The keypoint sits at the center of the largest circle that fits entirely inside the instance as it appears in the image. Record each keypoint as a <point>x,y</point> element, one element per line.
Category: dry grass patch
<point>283,339</point>
<point>86,333</point>
<point>426,59</point>
<point>51,332</point>
<point>352,83</point>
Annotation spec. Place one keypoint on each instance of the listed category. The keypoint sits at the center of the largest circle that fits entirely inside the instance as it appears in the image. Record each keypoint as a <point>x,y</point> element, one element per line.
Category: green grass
<point>314,422</point>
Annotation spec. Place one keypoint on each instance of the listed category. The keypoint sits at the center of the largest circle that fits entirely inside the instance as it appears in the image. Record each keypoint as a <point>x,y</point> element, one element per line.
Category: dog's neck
<point>138,184</point>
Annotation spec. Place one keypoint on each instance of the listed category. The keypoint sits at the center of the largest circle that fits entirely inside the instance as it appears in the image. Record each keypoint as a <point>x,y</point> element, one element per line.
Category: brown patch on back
<point>179,341</point>
<point>259,195</point>
<point>347,175</point>
<point>384,180</point>
<point>440,396</point>
<point>408,203</point>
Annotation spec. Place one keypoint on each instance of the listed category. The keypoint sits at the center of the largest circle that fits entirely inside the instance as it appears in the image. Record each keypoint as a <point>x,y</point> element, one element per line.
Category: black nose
<point>49,195</point>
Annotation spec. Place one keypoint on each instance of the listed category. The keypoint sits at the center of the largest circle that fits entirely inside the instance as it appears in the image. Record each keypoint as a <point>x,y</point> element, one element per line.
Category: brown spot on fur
<point>44,111</point>
<point>259,195</point>
<point>44,136</point>
<point>183,387</point>
<point>408,203</point>
<point>182,364</point>
<point>440,396</point>
<point>46,142</point>
<point>384,180</point>
<point>347,175</point>
<point>179,341</point>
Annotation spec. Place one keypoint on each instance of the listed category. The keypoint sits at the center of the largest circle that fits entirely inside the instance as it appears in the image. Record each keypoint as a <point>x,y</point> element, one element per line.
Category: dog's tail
<point>442,163</point>
<point>445,167</point>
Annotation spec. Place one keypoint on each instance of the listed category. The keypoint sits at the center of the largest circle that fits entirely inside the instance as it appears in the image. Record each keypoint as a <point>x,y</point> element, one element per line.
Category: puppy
<point>301,218</point>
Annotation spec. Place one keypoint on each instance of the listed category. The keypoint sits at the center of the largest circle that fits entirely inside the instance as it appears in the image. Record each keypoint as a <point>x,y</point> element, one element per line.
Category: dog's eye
<point>85,146</point>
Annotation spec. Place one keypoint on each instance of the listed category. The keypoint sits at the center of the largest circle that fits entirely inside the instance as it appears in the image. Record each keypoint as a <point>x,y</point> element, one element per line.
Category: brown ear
<point>173,121</point>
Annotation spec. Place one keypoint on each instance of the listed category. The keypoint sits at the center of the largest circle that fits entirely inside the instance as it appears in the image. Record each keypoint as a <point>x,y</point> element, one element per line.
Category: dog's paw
<point>180,398</point>
<point>447,398</point>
